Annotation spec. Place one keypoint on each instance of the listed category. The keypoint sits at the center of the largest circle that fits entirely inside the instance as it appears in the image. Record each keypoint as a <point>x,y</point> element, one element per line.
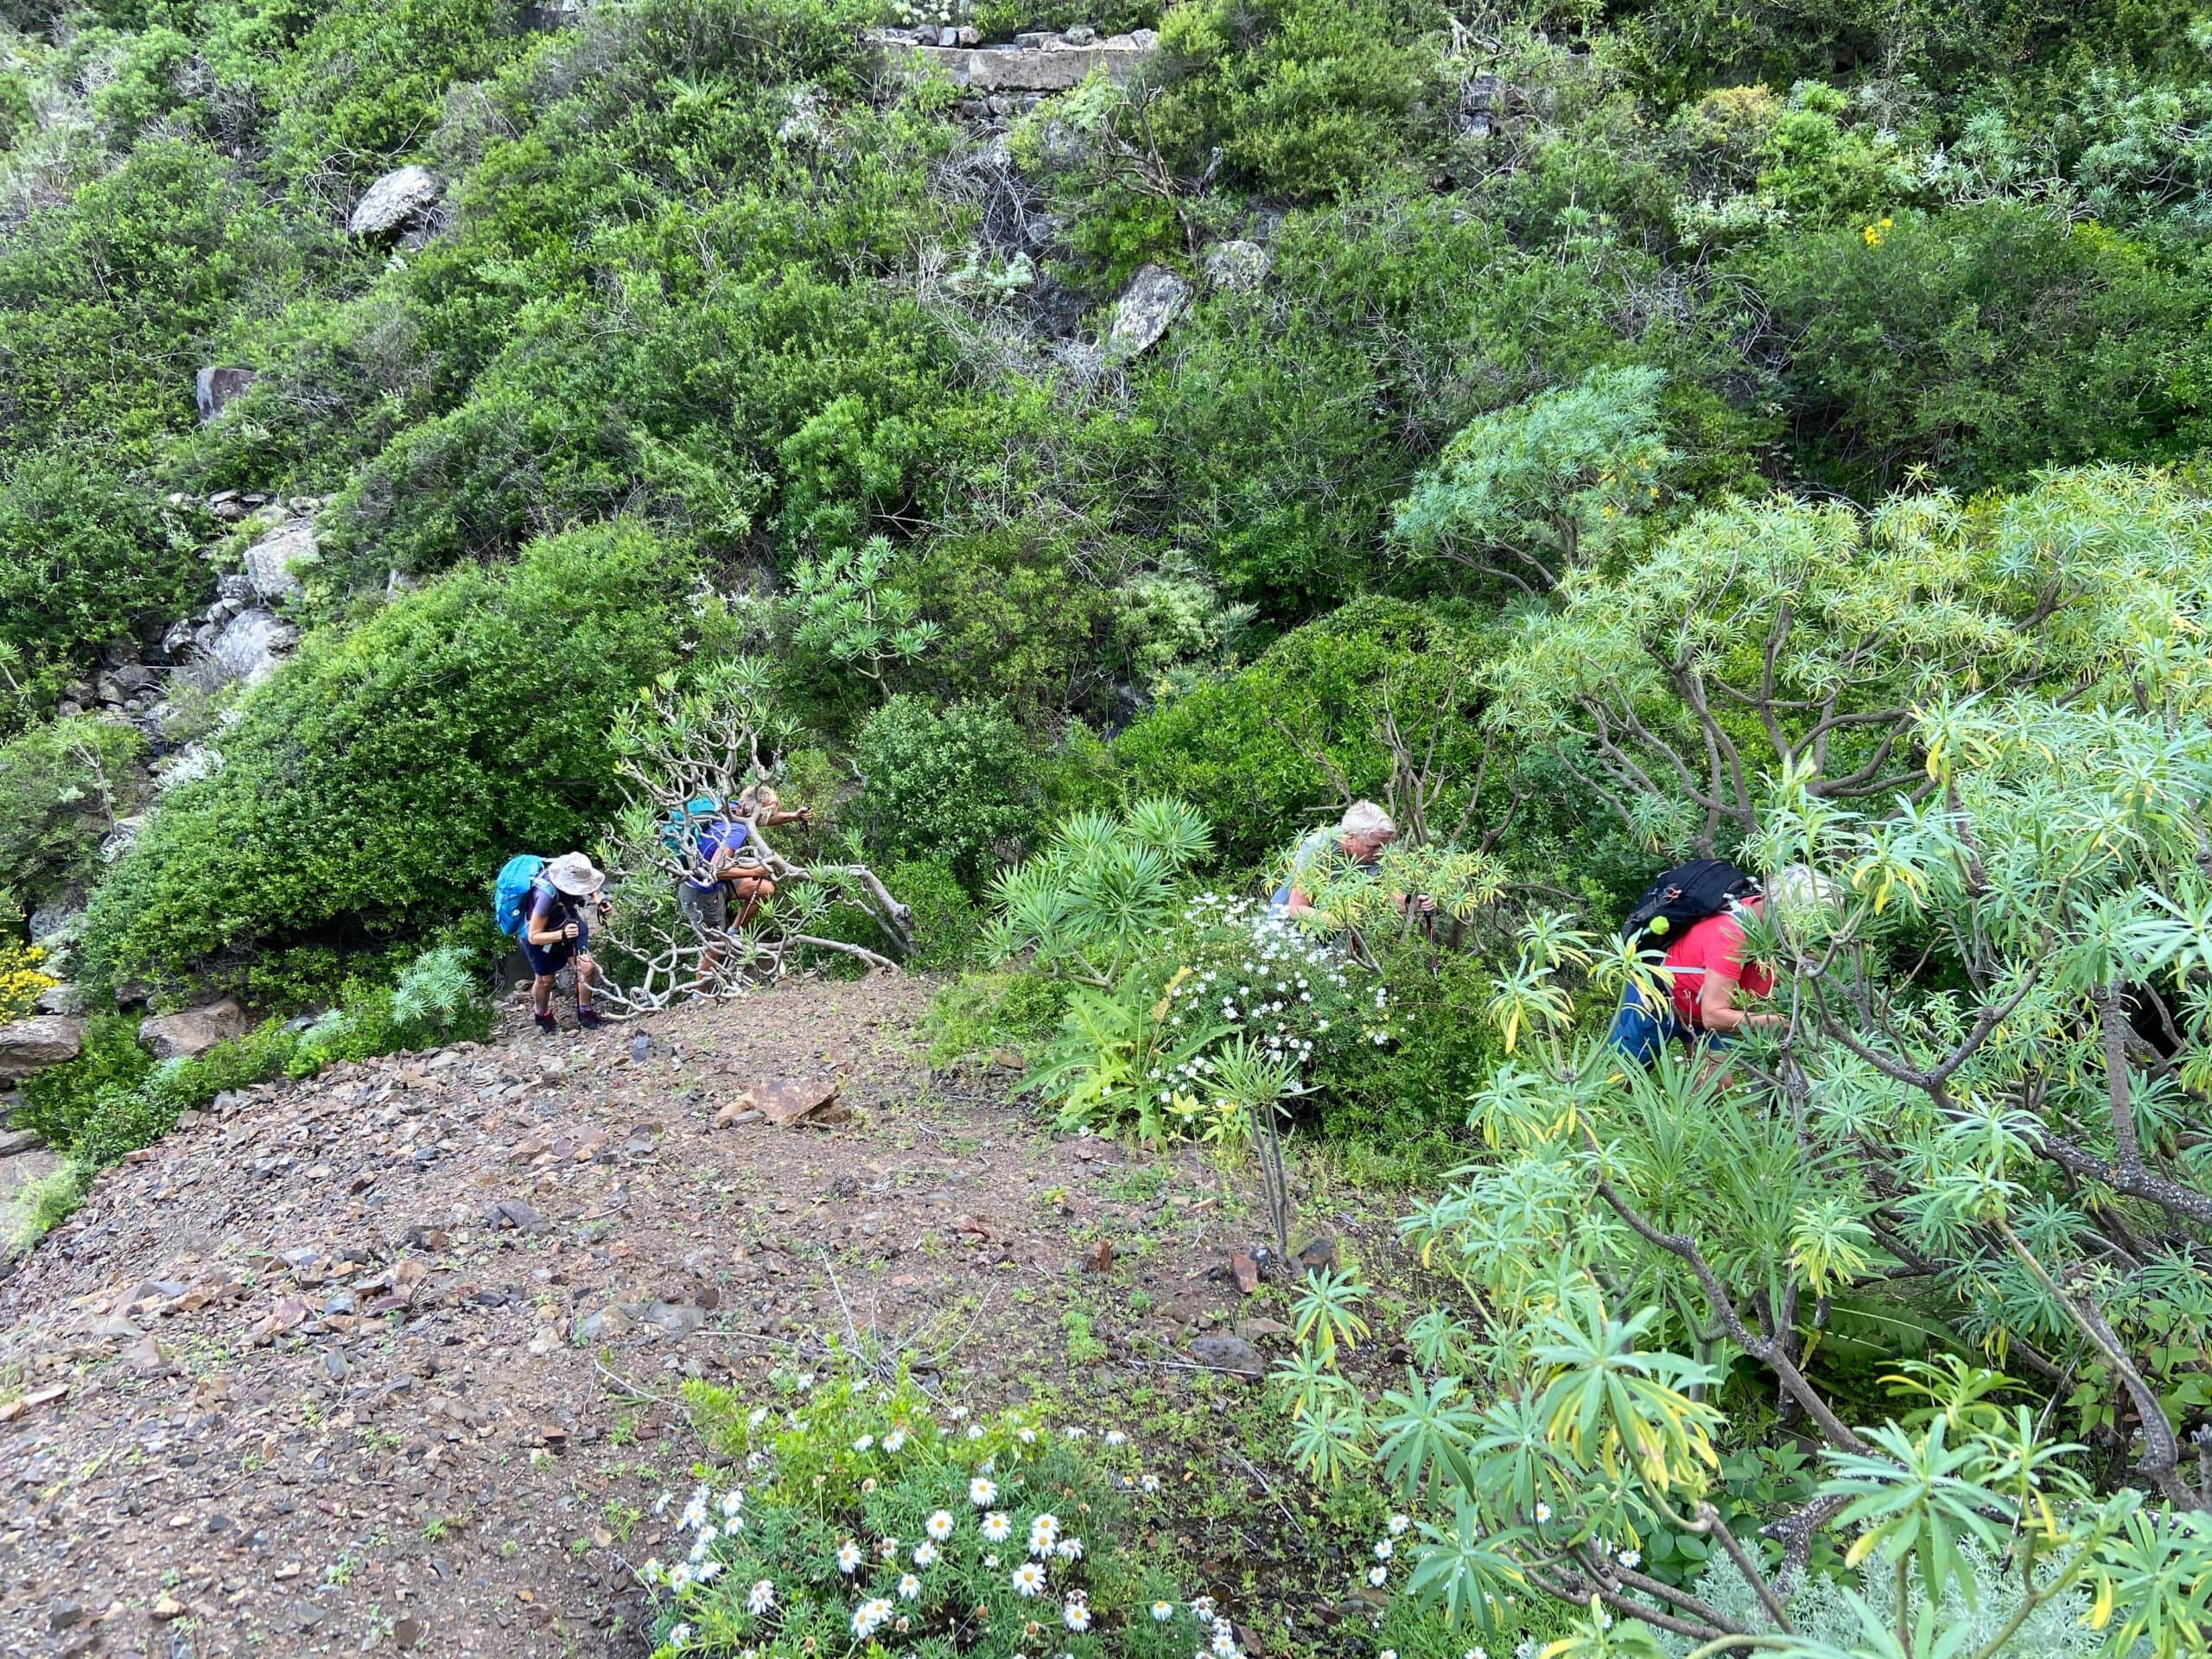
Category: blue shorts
<point>546,959</point>
<point>1640,1032</point>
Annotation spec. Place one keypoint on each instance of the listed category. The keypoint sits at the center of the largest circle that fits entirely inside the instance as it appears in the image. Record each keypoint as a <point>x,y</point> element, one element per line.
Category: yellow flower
<point>1876,232</point>
<point>21,983</point>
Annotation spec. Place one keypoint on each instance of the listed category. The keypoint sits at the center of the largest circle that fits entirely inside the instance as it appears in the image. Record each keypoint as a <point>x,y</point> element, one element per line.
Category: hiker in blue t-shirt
<point>564,901</point>
<point>726,865</point>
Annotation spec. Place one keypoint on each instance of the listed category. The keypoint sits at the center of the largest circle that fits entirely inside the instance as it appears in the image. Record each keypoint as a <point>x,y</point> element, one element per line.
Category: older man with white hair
<point>1361,834</point>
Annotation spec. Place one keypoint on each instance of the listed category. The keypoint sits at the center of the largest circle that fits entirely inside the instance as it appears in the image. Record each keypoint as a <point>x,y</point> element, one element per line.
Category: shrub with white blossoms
<point>1230,975</point>
<point>869,1519</point>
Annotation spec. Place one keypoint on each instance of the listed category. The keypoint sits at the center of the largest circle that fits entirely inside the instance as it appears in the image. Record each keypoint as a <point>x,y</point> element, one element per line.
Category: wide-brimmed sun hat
<point>572,873</point>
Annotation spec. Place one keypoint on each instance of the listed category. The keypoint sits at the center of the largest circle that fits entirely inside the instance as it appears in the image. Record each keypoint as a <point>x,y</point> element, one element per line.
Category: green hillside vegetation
<point>1601,435</point>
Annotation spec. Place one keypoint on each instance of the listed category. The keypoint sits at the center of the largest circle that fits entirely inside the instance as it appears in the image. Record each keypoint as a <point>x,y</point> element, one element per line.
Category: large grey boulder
<point>250,645</point>
<point>395,202</point>
<point>32,1045</point>
<point>1155,297</point>
<point>180,1036</point>
<point>215,387</point>
<point>273,563</point>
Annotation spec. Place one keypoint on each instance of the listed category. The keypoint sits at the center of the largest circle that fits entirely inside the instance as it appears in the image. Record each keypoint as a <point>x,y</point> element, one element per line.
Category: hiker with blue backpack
<point>547,907</point>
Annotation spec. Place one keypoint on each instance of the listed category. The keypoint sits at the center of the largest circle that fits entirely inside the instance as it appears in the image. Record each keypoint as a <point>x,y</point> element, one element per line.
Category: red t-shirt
<point>1714,945</point>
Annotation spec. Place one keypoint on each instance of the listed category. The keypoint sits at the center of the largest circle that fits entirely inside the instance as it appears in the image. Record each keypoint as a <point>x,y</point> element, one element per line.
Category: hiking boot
<point>546,1022</point>
<point>588,1017</point>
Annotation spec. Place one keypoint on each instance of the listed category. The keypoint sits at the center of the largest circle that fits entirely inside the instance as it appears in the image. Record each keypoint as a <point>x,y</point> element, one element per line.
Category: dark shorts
<point>707,911</point>
<point>552,958</point>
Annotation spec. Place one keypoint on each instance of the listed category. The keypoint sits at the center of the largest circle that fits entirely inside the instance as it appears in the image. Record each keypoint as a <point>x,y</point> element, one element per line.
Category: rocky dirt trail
<point>389,1359</point>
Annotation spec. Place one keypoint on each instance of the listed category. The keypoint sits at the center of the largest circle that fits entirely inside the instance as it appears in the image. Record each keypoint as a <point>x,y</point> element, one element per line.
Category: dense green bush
<point>1982,344</point>
<point>946,920</point>
<point>952,783</point>
<point>86,559</point>
<point>1255,752</point>
<point>373,786</point>
<point>62,786</point>
<point>59,1100</point>
<point>1308,99</point>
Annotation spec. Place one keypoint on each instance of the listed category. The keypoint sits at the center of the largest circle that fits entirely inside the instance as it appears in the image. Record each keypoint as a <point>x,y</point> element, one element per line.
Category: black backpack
<point>1684,895</point>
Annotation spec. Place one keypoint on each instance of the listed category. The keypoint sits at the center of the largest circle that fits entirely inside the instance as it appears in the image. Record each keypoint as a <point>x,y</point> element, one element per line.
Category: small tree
<point>714,739</point>
<point>1531,493</point>
<point>843,607</point>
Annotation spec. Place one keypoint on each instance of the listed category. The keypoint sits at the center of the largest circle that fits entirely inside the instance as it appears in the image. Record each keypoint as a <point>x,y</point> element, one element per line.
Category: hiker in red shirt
<point>1707,973</point>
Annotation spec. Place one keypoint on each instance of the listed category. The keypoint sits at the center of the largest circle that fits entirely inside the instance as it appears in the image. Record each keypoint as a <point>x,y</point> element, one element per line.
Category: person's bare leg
<point>541,993</point>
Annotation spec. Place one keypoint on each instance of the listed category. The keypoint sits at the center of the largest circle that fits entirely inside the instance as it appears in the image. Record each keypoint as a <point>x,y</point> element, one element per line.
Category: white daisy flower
<point>1150,1483</point>
<point>1114,1436</point>
<point>678,1635</point>
<point>894,1440</point>
<point>887,1549</point>
<point>997,1526</point>
<point>909,1586</point>
<point>1399,1523</point>
<point>1069,1549</point>
<point>1630,1558</point>
<point>983,1491</point>
<point>925,1553</point>
<point>1162,1611</point>
<point>939,1525</point>
<point>1028,1580</point>
<point>1378,1576</point>
<point>848,1557</point>
<point>1224,1645</point>
<point>1076,1614</point>
<point>732,1502</point>
<point>1543,1513</point>
<point>762,1599</point>
<point>1043,1531</point>
<point>864,1442</point>
<point>1384,1547</point>
<point>868,1614</point>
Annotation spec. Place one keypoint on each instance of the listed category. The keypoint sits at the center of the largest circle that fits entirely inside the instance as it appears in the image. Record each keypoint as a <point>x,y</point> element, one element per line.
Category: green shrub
<point>953,784</point>
<point>866,1512</point>
<point>86,559</point>
<point>435,1001</point>
<point>1985,343</point>
<point>374,784</point>
<point>58,1100</point>
<point>1243,749</point>
<point>1308,99</point>
<point>946,921</point>
<point>62,786</point>
<point>978,1013</point>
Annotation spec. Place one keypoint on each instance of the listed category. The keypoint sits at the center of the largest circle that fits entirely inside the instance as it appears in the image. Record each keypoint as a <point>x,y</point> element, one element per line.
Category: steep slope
<point>390,1356</point>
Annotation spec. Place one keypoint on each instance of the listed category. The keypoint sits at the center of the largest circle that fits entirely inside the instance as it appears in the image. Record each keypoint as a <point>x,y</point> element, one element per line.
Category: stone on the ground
<point>785,1103</point>
<point>195,1030</point>
<point>1155,297</point>
<point>214,387</point>
<point>396,200</point>
<point>32,1044</point>
<point>1230,1354</point>
<point>250,645</point>
<point>62,998</point>
<point>273,563</point>
<point>1238,264</point>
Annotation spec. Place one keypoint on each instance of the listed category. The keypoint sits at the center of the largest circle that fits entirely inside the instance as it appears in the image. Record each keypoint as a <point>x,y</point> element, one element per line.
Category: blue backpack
<point>511,892</point>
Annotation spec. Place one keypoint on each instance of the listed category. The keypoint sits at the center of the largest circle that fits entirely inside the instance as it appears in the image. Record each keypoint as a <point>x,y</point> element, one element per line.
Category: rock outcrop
<point>1155,298</point>
<point>399,199</point>
<point>33,1044</point>
<point>272,563</point>
<point>180,1036</point>
<point>215,387</point>
<point>1030,63</point>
